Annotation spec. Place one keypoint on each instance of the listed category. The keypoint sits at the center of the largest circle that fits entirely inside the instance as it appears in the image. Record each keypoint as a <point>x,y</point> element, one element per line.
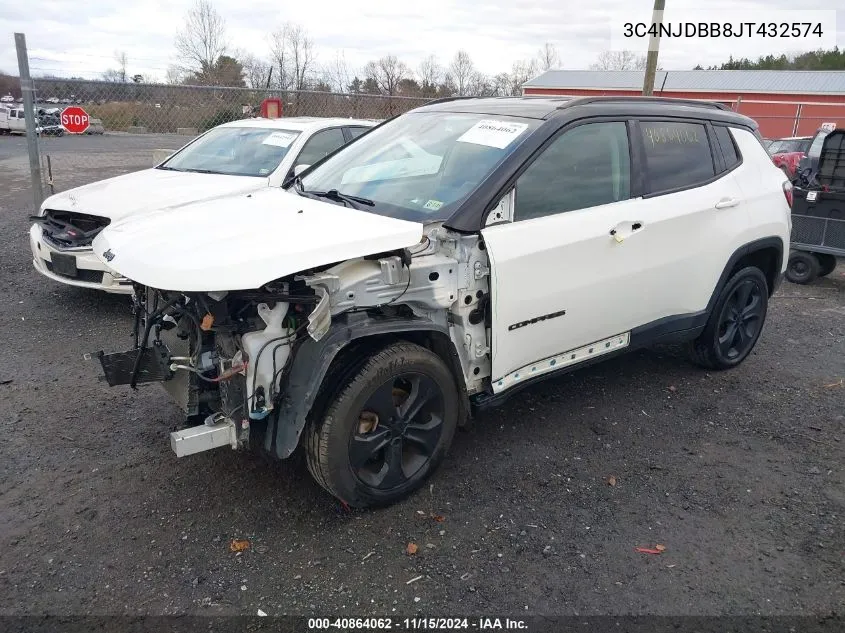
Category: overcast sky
<point>79,37</point>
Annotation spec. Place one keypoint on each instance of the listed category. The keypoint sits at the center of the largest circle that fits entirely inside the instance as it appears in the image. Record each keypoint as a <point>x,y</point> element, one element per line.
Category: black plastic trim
<point>310,365</point>
<point>735,146</point>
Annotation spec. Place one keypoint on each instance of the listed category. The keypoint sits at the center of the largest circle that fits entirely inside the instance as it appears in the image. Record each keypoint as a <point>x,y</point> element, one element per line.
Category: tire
<point>735,324</point>
<point>362,449</point>
<point>802,268</point>
<point>827,263</point>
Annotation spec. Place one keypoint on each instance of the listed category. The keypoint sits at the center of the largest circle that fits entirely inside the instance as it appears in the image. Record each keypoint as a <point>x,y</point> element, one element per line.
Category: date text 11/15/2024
<point>417,624</point>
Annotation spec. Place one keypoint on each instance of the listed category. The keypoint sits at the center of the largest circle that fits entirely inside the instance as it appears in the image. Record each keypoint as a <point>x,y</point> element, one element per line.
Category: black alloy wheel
<point>386,427</point>
<point>741,319</point>
<point>399,430</point>
<point>735,323</point>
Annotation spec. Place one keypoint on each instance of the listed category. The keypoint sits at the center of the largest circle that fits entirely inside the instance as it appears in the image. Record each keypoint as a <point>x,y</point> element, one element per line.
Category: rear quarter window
<point>727,146</point>
<point>677,155</point>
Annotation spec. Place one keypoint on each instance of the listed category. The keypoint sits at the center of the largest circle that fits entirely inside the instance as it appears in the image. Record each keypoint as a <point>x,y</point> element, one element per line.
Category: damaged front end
<point>248,367</point>
<point>221,356</point>
<point>67,229</point>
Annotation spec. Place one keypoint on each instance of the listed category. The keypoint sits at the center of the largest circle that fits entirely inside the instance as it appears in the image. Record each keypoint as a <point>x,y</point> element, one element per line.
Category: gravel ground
<point>739,475</point>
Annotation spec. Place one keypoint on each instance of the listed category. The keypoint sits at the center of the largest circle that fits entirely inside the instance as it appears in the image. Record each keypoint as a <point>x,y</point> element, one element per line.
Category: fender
<point>310,365</point>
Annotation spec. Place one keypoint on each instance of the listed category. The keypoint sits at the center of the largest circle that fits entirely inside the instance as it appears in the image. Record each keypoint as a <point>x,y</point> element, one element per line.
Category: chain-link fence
<point>129,122</point>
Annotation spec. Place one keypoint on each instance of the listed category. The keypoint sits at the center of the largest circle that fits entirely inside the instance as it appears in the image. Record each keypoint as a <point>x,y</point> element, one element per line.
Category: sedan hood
<point>242,242</point>
<point>122,196</point>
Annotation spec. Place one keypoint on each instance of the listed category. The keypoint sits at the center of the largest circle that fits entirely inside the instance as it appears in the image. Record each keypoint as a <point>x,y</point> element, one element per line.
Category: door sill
<point>561,361</point>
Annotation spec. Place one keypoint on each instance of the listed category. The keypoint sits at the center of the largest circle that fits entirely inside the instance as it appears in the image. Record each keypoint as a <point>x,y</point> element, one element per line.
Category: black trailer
<point>818,215</point>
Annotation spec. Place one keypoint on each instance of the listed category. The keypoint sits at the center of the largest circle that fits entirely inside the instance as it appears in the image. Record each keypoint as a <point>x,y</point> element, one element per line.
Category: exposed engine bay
<point>67,229</point>
<point>247,366</point>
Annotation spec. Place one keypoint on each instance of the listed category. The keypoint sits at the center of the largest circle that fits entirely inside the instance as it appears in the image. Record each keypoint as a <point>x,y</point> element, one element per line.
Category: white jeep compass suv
<point>441,262</point>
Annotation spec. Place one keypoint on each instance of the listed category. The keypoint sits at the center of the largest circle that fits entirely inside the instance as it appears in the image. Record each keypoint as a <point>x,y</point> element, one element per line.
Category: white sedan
<point>235,157</point>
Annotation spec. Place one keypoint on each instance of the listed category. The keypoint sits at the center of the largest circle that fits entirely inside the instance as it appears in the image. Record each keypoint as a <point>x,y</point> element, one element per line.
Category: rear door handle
<point>726,203</point>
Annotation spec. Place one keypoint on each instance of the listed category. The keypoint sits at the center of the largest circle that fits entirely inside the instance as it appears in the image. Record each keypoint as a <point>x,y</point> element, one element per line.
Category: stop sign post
<point>75,120</point>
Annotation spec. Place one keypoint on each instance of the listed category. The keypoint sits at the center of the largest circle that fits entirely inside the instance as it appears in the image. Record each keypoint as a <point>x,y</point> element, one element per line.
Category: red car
<point>786,152</point>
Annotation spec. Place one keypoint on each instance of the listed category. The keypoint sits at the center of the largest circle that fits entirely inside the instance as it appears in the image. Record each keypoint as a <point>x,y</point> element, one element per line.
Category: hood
<point>244,241</point>
<point>122,196</point>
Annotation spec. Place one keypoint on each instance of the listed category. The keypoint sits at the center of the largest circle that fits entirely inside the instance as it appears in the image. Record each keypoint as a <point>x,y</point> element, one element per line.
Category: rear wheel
<point>802,268</point>
<point>386,429</point>
<point>827,264</point>
<point>735,323</point>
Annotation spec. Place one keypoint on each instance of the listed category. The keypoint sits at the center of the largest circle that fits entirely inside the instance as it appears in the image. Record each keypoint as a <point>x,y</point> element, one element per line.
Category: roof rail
<point>692,102</point>
<point>446,99</point>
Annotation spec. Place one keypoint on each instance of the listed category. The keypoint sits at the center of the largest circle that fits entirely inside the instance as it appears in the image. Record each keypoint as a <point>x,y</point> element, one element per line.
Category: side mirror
<point>299,169</point>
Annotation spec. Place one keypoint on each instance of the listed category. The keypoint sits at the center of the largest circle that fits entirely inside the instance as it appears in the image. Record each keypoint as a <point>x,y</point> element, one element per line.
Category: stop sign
<point>74,120</point>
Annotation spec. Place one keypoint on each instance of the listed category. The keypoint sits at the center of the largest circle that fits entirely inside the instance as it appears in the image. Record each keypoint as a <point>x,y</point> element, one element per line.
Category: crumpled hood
<point>122,196</point>
<point>244,241</point>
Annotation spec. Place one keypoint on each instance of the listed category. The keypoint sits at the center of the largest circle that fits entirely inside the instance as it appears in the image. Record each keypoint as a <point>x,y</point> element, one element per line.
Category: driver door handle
<point>625,229</point>
<point>726,203</point>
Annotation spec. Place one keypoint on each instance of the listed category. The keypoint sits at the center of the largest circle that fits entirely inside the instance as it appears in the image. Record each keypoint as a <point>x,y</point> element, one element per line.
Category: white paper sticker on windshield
<point>433,205</point>
<point>493,133</point>
<point>279,139</point>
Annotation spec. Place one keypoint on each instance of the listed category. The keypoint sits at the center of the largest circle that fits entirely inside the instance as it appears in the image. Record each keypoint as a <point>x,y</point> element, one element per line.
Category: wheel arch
<point>319,367</point>
<point>766,254</point>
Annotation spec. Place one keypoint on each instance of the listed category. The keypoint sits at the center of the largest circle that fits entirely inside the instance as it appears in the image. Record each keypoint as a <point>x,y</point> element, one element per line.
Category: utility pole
<point>653,48</point>
<point>28,90</point>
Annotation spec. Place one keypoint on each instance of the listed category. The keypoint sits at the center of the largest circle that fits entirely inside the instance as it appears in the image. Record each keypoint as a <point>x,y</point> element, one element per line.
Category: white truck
<point>12,120</point>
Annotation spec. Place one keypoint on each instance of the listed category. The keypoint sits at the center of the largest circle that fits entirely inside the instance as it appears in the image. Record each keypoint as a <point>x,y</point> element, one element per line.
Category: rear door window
<point>678,155</point>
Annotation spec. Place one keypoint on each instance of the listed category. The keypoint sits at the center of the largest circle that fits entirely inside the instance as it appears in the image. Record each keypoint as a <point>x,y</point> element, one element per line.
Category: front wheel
<point>735,323</point>
<point>387,429</point>
<point>802,268</point>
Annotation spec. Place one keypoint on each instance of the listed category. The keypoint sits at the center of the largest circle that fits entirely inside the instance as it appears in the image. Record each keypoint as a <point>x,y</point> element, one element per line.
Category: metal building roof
<point>827,82</point>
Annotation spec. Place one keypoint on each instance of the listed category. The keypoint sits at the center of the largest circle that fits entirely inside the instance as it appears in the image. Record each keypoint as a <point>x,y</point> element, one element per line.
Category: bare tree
<point>502,85</point>
<point>619,60</point>
<point>174,74</point>
<point>302,58</point>
<point>122,62</point>
<point>430,74</point>
<point>279,54</point>
<point>461,72</point>
<point>521,71</point>
<point>387,73</point>
<point>117,75</point>
<point>293,56</point>
<point>548,57</point>
<point>336,74</point>
<point>256,70</point>
<point>203,39</point>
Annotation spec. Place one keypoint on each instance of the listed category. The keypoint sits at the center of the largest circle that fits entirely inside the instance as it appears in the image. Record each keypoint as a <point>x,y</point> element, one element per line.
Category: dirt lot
<point>738,474</point>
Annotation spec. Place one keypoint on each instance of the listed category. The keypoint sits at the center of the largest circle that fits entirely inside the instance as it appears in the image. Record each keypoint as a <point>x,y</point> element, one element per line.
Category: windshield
<point>235,151</point>
<point>419,166</point>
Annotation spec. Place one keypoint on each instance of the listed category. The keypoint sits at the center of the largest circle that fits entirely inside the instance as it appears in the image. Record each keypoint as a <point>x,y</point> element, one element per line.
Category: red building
<point>783,102</point>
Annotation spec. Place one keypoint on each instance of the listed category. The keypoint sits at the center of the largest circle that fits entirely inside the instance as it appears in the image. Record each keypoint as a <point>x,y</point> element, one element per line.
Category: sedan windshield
<point>419,166</point>
<point>235,151</point>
